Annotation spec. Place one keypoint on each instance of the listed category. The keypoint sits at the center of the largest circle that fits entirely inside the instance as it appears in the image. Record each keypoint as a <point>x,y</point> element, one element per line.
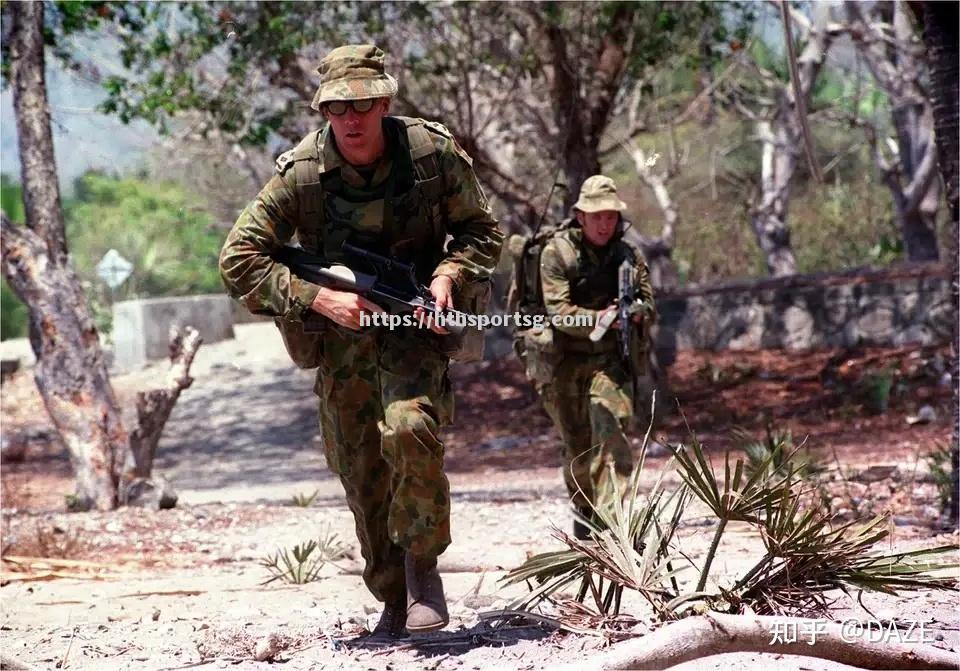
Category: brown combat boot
<point>392,623</point>
<point>426,605</point>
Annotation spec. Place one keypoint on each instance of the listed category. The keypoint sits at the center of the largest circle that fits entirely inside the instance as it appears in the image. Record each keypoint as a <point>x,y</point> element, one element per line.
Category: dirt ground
<point>183,588</point>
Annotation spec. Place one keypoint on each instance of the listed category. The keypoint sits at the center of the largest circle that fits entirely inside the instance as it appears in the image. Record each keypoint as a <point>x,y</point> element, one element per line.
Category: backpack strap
<point>307,161</point>
<point>569,256</point>
<point>426,163</point>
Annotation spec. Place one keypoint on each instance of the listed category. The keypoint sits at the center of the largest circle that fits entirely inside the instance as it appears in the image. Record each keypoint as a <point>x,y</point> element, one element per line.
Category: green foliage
<point>304,500</point>
<point>875,388</point>
<point>939,463</point>
<point>778,452</point>
<point>172,244</point>
<point>11,199</point>
<point>303,562</point>
<point>13,313</point>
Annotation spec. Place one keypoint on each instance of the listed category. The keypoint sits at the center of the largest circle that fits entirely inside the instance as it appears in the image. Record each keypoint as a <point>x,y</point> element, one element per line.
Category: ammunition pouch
<point>538,350</point>
<point>303,339</point>
<point>472,298</point>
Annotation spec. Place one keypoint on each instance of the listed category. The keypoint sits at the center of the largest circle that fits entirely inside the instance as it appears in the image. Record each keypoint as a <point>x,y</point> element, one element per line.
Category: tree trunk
<point>782,138</point>
<point>581,160</point>
<point>769,215</point>
<point>70,372</point>
<point>897,68</point>
<point>940,32</point>
<point>919,232</point>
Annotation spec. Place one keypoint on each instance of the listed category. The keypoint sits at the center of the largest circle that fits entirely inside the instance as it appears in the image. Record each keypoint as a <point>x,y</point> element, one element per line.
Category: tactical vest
<point>407,221</point>
<point>591,286</point>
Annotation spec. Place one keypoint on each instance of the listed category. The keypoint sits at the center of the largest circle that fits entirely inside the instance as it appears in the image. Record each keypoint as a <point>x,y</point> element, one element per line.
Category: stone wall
<point>141,328</point>
<point>909,303</point>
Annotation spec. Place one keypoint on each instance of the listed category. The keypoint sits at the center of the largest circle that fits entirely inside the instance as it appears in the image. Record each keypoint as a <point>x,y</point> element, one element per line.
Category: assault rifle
<point>390,283</point>
<point>629,304</point>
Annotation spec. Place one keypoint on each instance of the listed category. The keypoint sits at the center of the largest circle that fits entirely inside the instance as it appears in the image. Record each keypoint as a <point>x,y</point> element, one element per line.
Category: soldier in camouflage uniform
<point>590,395</point>
<point>396,186</point>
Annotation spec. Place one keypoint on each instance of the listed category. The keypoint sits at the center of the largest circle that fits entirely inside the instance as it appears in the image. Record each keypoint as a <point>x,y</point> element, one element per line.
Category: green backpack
<point>535,345</point>
<point>303,340</point>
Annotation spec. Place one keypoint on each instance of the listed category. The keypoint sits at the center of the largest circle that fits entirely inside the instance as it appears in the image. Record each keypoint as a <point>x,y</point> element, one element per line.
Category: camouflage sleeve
<point>474,250</point>
<point>250,275</point>
<point>556,292</point>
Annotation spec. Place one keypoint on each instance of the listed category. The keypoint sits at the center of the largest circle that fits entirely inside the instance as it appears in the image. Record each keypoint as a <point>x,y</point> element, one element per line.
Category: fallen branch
<point>7,578</point>
<point>56,562</point>
<point>716,633</point>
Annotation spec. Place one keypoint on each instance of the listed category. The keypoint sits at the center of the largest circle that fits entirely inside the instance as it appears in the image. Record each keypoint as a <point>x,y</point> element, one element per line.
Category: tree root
<point>717,633</point>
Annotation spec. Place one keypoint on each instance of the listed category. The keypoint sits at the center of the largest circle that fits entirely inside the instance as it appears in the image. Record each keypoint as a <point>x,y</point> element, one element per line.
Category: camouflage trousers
<point>382,402</point>
<point>590,402</point>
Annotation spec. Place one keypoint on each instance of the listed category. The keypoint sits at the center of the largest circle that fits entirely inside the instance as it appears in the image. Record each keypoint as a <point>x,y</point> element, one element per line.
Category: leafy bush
<point>171,243</point>
<point>13,313</point>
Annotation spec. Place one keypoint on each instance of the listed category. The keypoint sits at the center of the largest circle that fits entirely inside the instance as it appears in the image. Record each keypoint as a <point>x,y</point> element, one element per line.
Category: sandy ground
<point>184,588</point>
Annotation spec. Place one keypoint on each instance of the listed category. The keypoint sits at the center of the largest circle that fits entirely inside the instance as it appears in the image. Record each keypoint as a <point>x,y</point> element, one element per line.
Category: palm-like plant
<point>303,562</point>
<point>630,544</point>
<point>629,547</point>
<point>806,556</point>
<point>741,496</point>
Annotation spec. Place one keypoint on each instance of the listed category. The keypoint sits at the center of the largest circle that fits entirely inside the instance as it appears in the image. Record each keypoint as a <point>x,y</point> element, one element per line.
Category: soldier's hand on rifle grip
<point>343,307</point>
<point>612,308</point>
<point>442,289</point>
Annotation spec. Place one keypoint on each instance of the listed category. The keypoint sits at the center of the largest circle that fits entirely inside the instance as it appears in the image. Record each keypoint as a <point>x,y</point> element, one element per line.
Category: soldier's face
<point>598,227</point>
<point>359,133</point>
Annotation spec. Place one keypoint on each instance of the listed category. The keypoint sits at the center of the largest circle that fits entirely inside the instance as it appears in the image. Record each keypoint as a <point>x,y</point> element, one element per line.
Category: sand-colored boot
<point>426,605</point>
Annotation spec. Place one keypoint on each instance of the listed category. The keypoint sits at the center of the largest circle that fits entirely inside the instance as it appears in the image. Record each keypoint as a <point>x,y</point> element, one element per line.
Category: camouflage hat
<point>597,194</point>
<point>353,72</point>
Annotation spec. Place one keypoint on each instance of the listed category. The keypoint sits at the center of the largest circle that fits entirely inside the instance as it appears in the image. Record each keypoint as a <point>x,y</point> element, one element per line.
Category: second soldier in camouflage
<point>588,393</point>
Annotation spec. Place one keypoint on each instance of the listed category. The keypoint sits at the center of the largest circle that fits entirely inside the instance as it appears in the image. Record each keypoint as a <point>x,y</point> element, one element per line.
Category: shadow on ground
<point>451,643</point>
<point>244,430</point>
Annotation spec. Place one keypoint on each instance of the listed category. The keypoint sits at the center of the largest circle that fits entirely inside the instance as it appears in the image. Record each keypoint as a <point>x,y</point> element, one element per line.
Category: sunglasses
<point>339,107</point>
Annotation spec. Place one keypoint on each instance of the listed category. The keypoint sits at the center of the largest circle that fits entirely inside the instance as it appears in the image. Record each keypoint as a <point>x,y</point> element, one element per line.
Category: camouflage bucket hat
<point>353,72</point>
<point>597,194</point>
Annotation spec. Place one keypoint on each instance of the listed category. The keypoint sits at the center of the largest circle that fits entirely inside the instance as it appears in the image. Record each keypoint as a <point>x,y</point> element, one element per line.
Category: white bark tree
<point>884,34</point>
<point>774,108</point>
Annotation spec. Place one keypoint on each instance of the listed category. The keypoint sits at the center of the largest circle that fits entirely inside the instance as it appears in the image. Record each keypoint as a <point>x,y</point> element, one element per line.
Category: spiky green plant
<point>631,546</point>
<point>741,497</point>
<point>778,451</point>
<point>303,562</point>
<point>806,557</point>
<point>304,500</point>
<point>938,461</point>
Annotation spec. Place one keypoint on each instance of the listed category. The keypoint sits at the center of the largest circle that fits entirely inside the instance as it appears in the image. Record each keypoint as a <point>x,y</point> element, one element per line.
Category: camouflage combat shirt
<point>376,208</point>
<point>581,280</point>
